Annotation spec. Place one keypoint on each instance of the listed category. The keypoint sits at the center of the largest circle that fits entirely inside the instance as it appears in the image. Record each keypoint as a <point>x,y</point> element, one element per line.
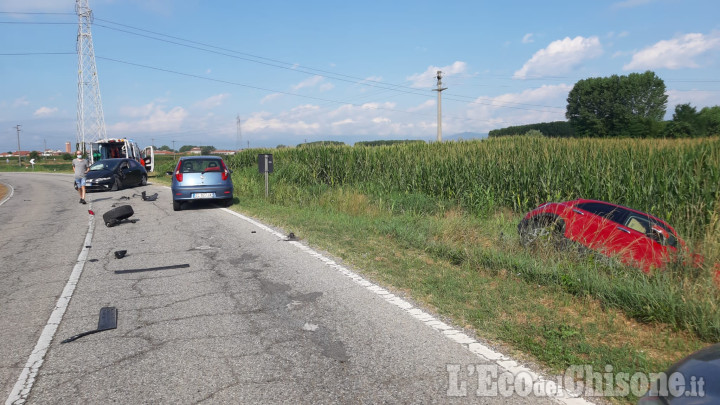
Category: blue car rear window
<point>201,165</point>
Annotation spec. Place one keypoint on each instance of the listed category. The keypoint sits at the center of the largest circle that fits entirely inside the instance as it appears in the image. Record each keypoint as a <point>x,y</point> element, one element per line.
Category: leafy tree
<point>550,129</point>
<point>321,143</point>
<point>34,155</point>
<point>709,120</point>
<point>687,114</point>
<point>67,156</point>
<point>186,148</point>
<point>678,129</point>
<point>206,150</point>
<point>616,105</point>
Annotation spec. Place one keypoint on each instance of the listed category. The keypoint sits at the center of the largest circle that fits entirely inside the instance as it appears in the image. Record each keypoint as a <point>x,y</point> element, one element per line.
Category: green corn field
<point>677,180</point>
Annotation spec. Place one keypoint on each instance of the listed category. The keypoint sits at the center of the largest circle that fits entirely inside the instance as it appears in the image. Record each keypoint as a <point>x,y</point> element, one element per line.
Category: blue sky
<point>297,71</point>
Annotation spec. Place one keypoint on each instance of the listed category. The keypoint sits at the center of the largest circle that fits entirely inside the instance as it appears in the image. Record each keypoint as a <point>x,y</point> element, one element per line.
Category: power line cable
<point>298,68</point>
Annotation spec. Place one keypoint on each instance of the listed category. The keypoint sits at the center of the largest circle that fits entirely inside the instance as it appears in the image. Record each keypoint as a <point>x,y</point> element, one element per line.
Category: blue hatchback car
<point>201,178</point>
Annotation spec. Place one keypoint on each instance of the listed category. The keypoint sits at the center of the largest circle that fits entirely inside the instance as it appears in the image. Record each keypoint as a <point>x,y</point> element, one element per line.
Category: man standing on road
<point>81,168</point>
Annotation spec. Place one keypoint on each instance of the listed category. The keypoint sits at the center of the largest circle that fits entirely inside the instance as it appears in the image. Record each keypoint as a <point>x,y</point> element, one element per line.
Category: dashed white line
<point>480,350</point>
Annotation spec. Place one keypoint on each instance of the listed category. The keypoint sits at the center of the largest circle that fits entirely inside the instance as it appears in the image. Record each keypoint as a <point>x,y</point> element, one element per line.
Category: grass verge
<point>542,306</point>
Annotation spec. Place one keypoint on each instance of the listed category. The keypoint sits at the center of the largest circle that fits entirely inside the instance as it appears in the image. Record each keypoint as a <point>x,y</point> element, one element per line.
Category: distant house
<point>224,152</point>
<point>196,151</point>
<point>163,152</point>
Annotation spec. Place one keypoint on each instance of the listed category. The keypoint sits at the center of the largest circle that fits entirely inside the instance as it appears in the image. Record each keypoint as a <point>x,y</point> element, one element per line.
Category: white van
<point>122,148</point>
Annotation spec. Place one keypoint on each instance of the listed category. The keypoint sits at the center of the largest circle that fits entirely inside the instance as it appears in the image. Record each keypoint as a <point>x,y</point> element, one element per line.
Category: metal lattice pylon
<point>90,119</point>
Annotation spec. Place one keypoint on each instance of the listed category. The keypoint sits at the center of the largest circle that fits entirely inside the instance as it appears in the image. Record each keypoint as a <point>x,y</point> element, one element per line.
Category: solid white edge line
<point>7,197</point>
<point>480,350</point>
<point>24,384</point>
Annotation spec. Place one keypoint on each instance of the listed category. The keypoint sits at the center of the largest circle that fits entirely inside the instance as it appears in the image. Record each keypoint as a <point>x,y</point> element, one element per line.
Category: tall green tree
<point>709,120</point>
<point>616,105</point>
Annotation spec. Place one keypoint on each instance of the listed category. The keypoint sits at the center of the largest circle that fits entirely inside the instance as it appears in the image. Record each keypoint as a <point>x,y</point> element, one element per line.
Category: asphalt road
<point>212,308</point>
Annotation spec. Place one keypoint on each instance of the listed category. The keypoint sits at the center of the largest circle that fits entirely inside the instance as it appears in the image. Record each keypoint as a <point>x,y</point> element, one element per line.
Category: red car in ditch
<point>636,238</point>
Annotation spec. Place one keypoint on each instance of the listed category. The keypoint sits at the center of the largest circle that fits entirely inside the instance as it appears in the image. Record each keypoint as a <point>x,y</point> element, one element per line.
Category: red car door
<point>600,227</point>
<point>649,248</point>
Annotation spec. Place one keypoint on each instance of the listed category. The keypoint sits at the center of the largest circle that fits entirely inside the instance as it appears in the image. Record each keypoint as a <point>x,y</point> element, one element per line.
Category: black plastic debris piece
<point>107,321</point>
<point>173,266</point>
<point>119,254</point>
<point>146,197</point>
<point>291,237</point>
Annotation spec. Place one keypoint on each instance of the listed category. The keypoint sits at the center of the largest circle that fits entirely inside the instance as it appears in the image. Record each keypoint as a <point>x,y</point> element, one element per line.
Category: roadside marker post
<point>265,165</point>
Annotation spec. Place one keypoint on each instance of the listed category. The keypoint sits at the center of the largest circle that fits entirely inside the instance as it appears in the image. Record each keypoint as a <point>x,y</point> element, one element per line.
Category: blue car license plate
<point>203,195</point>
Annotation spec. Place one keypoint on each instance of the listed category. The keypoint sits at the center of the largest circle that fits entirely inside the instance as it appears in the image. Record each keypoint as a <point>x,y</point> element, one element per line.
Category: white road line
<point>480,350</point>
<point>24,384</point>
<point>7,197</point>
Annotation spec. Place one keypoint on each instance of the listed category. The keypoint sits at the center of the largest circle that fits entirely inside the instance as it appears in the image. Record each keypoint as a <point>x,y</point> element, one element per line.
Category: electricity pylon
<point>90,119</point>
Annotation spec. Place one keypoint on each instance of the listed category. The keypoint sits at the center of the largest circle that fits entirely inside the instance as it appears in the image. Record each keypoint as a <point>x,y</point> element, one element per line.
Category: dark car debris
<point>107,321</point>
<point>118,214</point>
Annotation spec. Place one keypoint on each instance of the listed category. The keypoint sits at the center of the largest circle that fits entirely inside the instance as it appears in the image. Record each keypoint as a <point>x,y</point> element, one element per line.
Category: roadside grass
<point>553,308</point>
<point>43,165</point>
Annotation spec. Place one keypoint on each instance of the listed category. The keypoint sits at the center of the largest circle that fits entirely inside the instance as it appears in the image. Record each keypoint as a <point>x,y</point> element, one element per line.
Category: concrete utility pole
<point>439,89</point>
<point>18,132</point>
<point>238,138</point>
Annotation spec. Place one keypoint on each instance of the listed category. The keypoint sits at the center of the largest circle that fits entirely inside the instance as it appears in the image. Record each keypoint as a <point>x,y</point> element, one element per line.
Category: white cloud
<point>45,111</point>
<point>21,102</point>
<point>428,77</point>
<point>560,56</point>
<point>374,119</point>
<point>213,101</point>
<point>372,79</point>
<point>698,99</point>
<point>427,104</point>
<point>376,106</point>
<point>346,121</point>
<point>134,112</point>
<point>262,122</point>
<point>676,53</point>
<point>270,97</point>
<point>528,39</point>
<point>326,86</point>
<point>310,82</point>
<point>542,104</point>
<point>151,118</point>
